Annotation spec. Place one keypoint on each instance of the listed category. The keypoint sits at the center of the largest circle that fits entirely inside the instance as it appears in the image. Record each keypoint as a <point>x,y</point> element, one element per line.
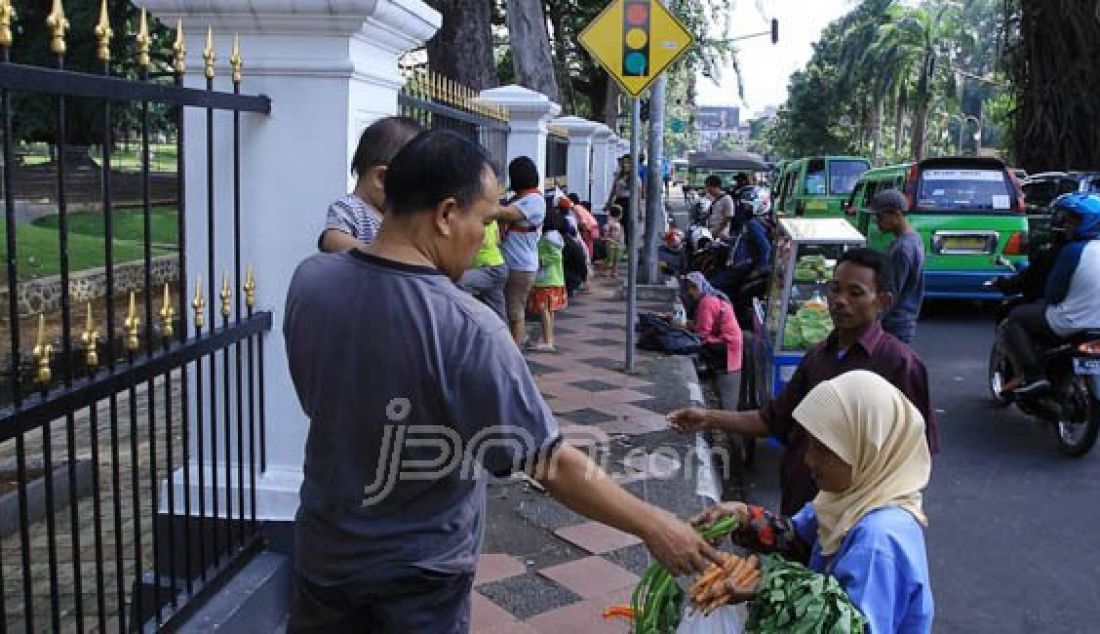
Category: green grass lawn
<point>129,224</point>
<point>164,157</point>
<point>37,244</point>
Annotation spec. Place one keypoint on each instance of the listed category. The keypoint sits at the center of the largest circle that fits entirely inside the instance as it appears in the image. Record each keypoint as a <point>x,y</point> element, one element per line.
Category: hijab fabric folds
<point>699,281</point>
<point>874,428</point>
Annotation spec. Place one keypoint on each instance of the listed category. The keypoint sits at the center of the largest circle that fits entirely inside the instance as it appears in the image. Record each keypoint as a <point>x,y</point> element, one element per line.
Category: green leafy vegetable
<point>795,600</point>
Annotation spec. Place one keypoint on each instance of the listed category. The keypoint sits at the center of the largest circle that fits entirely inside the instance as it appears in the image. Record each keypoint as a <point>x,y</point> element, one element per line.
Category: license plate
<point>1086,366</point>
<point>965,244</point>
<point>817,205</point>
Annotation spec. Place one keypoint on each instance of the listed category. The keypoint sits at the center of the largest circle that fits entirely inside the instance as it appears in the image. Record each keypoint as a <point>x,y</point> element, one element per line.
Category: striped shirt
<point>355,217</point>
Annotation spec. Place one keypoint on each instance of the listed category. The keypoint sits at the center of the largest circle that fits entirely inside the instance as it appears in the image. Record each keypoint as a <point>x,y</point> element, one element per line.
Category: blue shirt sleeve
<point>870,576</point>
<point>805,524</point>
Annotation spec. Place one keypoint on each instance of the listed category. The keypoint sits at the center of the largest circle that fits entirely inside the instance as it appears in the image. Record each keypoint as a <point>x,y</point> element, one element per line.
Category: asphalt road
<point>1014,534</point>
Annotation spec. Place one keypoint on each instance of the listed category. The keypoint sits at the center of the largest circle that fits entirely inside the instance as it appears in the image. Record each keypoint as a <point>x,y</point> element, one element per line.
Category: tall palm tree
<point>907,46</point>
<point>859,77</point>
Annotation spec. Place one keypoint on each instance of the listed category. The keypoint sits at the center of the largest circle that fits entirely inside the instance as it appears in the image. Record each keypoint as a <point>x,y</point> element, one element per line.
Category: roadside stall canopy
<point>727,161</point>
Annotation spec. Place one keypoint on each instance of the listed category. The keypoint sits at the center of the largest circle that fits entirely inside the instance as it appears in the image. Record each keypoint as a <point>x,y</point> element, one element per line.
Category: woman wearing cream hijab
<point>869,458</point>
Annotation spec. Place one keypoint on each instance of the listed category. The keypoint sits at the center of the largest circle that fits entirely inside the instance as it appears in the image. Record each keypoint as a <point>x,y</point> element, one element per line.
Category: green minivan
<point>817,187</point>
<point>969,211</point>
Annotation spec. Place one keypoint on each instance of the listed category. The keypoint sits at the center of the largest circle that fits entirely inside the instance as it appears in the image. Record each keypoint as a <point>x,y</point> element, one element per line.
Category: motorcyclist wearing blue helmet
<point>1071,300</point>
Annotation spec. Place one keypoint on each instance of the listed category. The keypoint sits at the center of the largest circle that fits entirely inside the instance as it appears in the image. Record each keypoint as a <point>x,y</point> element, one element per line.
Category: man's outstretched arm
<point>578,483</point>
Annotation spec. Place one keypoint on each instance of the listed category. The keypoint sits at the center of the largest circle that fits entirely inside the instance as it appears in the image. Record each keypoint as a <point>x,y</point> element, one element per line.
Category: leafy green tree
<point>35,117</point>
<point>909,45</point>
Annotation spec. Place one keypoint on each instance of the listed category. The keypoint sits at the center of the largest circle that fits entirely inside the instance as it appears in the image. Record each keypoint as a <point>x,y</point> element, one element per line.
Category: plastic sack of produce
<point>727,620</point>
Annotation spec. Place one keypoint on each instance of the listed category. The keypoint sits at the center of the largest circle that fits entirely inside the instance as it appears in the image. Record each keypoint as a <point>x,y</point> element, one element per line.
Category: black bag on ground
<point>657,335</point>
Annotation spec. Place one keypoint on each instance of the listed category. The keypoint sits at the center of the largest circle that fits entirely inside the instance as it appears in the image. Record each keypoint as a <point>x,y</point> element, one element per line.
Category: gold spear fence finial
<point>208,54</point>
<point>131,325</point>
<point>143,42</point>
<point>7,14</point>
<point>90,339</point>
<point>41,354</point>
<point>167,316</point>
<point>179,51</point>
<point>235,61</point>
<point>226,295</point>
<point>198,304</point>
<point>249,288</point>
<point>59,26</point>
<point>103,34</point>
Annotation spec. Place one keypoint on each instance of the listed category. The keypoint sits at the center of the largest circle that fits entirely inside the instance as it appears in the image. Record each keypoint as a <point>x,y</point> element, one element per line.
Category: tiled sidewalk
<point>545,568</point>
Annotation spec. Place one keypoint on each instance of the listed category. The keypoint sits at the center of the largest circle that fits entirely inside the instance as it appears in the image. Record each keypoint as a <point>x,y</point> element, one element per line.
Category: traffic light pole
<point>632,238</point>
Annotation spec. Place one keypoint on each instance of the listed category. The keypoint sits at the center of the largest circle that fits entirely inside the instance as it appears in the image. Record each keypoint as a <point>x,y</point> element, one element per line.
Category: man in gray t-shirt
<point>408,414</point>
<point>906,257</point>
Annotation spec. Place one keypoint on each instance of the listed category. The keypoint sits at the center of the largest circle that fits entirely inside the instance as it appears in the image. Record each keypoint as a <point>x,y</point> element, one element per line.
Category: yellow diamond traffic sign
<point>635,41</point>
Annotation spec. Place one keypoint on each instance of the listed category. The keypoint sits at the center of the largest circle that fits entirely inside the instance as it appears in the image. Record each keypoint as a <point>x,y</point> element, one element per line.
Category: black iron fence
<point>557,157</point>
<point>131,435</point>
<point>440,103</point>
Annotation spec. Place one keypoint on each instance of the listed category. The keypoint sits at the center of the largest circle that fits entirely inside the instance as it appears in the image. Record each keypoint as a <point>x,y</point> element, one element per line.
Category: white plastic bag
<point>726,620</point>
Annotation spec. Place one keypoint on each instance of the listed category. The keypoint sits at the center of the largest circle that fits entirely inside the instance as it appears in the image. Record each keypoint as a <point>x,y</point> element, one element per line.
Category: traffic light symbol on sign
<point>636,35</point>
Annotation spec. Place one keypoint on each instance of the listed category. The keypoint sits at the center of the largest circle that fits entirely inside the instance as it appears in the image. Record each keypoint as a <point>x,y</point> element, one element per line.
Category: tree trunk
<point>876,126</point>
<point>531,47</point>
<point>920,113</point>
<point>899,118</point>
<point>1056,80</point>
<point>655,186</point>
<point>610,112</point>
<point>562,40</point>
<point>466,28</point>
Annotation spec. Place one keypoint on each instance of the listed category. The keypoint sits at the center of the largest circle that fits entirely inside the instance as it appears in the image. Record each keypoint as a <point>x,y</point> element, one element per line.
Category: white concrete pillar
<point>330,69</point>
<point>529,113</point>
<point>578,173</point>
<point>603,166</point>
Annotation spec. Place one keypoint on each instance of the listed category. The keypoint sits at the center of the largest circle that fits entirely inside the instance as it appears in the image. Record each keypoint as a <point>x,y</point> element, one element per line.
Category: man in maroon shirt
<point>856,301</point>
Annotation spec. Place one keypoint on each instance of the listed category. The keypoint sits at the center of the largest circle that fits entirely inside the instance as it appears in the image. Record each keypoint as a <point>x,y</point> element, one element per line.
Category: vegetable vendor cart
<point>794,315</point>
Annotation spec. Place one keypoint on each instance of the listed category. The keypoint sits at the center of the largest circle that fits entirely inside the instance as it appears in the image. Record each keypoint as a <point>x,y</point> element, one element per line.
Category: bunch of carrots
<point>657,602</point>
<point>744,572</point>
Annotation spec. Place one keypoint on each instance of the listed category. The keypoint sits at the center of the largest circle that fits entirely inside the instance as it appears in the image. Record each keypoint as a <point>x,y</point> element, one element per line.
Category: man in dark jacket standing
<point>906,263</point>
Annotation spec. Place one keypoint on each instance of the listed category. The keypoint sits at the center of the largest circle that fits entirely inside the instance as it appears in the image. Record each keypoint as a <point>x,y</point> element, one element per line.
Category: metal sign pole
<point>632,237</point>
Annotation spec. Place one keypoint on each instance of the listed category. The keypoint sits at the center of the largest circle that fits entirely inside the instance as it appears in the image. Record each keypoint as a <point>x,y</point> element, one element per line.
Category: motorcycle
<point>1072,405</point>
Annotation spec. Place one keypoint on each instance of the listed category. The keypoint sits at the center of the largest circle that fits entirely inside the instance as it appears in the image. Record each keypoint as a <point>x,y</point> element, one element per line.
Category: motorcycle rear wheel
<point>1076,438</point>
<point>1000,372</point>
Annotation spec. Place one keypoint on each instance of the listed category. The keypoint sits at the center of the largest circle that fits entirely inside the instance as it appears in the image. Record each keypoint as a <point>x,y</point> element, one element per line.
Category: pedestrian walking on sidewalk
<point>353,220</point>
<point>906,256</point>
<point>381,544</point>
<point>620,195</point>
<point>857,297</point>
<point>867,451</point>
<point>522,218</point>
<point>613,238</point>
<point>549,294</point>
